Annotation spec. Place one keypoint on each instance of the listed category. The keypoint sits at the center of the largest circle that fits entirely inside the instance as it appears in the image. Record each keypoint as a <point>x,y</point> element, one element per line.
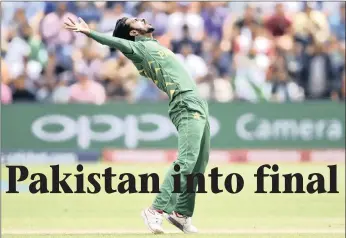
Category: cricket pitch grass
<point>241,215</point>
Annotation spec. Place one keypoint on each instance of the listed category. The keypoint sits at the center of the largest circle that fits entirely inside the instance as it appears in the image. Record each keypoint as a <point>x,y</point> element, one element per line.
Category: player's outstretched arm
<point>114,42</point>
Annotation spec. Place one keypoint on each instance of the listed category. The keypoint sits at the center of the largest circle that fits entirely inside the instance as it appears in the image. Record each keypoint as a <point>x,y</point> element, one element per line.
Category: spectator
<point>194,63</point>
<point>91,57</point>
<point>244,24</point>
<point>257,39</point>
<point>336,52</point>
<point>330,8</point>
<point>6,94</point>
<point>86,90</point>
<point>184,16</point>
<point>226,40</point>
<point>219,61</point>
<point>17,50</point>
<point>266,9</point>
<point>146,90</point>
<point>218,89</point>
<point>214,15</point>
<point>32,71</point>
<point>240,28</point>
<point>310,25</point>
<point>250,76</point>
<point>61,91</point>
<point>278,24</point>
<point>32,11</point>
<point>120,77</point>
<point>4,72</point>
<point>59,40</point>
<point>88,11</point>
<point>52,30</point>
<point>21,93</point>
<point>318,75</point>
<point>294,58</point>
<point>223,91</point>
<point>283,88</point>
<point>37,49</point>
<point>110,17</point>
<point>156,17</point>
<point>186,39</point>
<point>337,23</point>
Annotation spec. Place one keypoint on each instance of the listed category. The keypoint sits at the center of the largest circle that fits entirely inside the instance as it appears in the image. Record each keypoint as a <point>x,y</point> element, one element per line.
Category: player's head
<point>129,28</point>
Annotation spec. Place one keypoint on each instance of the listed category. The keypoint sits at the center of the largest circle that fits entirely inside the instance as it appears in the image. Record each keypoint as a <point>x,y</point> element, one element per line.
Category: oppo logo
<point>82,129</point>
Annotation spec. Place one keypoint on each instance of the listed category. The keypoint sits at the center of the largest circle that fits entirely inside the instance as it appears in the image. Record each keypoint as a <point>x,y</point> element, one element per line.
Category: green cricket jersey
<point>153,61</point>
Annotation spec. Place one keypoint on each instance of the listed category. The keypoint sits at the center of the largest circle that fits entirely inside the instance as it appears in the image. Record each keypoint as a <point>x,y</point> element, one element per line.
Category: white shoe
<point>153,220</point>
<point>181,222</point>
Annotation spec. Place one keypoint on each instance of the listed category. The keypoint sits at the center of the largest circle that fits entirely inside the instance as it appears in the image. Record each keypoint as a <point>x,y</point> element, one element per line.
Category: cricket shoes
<point>181,222</point>
<point>153,220</point>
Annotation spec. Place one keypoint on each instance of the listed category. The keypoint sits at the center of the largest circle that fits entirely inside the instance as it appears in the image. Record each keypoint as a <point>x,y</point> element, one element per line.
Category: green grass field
<point>219,215</point>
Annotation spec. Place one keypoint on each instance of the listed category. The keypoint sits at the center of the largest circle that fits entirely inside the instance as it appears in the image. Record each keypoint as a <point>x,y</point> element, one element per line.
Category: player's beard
<point>150,29</point>
<point>145,31</point>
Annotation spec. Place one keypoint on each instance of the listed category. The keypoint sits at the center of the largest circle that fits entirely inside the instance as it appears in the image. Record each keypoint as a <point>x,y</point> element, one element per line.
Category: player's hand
<point>80,26</point>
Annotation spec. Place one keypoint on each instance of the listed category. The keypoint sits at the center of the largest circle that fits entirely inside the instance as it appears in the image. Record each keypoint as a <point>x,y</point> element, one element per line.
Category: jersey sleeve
<point>131,49</point>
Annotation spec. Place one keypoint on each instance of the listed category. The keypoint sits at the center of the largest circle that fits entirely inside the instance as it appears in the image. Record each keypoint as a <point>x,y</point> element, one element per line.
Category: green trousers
<point>189,114</point>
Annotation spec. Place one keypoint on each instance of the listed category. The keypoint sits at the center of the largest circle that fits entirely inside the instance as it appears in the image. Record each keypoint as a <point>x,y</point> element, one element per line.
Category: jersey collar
<point>144,38</point>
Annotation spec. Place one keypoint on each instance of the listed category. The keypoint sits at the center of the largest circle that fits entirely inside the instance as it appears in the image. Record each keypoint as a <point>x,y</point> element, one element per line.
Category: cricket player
<point>188,112</point>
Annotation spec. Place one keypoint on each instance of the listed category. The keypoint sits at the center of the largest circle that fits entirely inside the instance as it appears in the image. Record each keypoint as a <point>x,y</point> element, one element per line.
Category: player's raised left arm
<point>114,42</point>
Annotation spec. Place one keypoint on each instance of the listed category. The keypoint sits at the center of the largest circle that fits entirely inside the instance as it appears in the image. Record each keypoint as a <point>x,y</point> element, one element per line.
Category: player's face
<point>140,25</point>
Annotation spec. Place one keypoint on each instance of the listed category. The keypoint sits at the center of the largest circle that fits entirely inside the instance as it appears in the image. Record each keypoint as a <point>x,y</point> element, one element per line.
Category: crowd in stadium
<point>268,51</point>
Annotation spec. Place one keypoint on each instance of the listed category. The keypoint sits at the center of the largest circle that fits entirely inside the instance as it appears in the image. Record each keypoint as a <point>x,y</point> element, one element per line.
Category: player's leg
<point>163,202</point>
<point>166,199</point>
<point>199,132</point>
<point>190,138</point>
<point>190,132</point>
<point>190,121</point>
<point>183,222</point>
<point>200,167</point>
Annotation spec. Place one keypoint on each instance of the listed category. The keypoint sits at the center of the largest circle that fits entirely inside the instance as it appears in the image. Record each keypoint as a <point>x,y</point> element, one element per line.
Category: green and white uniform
<point>188,112</point>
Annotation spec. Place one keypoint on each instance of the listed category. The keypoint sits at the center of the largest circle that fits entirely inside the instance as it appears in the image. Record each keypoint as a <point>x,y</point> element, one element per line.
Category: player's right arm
<point>113,42</point>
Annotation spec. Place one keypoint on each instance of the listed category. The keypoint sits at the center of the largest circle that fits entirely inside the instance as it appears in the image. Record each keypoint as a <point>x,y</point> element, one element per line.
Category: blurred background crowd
<point>290,51</point>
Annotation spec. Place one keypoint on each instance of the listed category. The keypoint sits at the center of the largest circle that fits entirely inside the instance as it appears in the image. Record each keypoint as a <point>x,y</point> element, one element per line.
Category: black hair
<point>122,30</point>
